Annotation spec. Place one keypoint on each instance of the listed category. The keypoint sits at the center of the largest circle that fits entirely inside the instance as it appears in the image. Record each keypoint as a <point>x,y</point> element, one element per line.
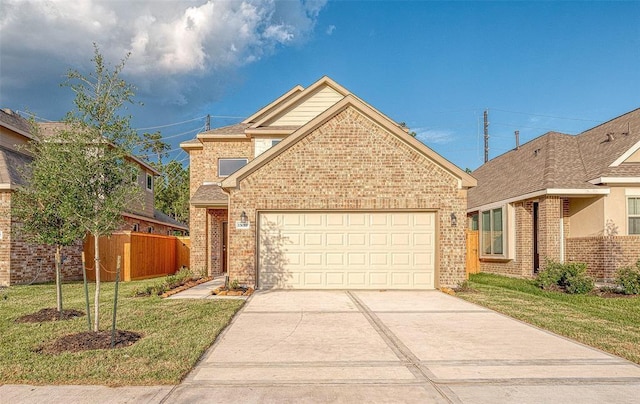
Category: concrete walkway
<point>344,347</point>
<point>417,347</point>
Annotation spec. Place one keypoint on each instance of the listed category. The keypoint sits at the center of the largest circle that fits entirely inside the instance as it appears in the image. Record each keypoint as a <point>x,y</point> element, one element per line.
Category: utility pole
<point>486,135</point>
<point>208,124</point>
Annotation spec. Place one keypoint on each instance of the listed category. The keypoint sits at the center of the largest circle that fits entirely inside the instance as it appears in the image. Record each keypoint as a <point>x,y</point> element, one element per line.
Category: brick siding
<point>350,163</point>
<point>604,255</point>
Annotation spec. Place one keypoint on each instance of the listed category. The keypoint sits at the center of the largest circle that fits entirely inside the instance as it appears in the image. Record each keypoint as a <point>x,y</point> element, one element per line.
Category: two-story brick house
<point>320,190</point>
<point>22,262</point>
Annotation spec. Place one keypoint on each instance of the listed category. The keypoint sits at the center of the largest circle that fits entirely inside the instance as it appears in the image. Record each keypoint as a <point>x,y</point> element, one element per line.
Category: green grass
<point>610,324</point>
<point>175,334</point>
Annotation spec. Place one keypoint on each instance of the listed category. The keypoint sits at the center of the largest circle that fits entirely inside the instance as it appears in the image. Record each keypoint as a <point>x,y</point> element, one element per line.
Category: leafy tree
<point>98,173</point>
<point>172,188</point>
<point>42,205</point>
<point>172,191</point>
<point>152,144</point>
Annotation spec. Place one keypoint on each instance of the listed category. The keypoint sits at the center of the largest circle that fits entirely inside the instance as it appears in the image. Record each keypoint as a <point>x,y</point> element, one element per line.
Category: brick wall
<point>350,163</point>
<point>203,167</point>
<point>604,255</point>
<point>143,226</point>
<point>5,242</point>
<point>550,210</point>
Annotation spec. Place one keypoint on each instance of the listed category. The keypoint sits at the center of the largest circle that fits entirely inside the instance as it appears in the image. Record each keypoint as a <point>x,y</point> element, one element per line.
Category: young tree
<point>98,173</point>
<point>42,206</point>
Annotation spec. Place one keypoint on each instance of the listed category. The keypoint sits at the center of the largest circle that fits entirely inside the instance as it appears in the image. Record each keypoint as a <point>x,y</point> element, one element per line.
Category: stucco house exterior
<point>22,262</point>
<point>319,190</point>
<point>562,197</point>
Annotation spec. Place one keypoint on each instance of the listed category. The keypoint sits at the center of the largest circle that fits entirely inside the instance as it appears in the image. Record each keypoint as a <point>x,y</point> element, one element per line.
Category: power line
<point>171,124</point>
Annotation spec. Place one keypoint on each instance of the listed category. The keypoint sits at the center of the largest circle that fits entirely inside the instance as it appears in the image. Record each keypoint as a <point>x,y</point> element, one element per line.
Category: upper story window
<point>492,236</point>
<point>149,182</point>
<point>633,212</point>
<point>226,167</point>
<point>275,142</point>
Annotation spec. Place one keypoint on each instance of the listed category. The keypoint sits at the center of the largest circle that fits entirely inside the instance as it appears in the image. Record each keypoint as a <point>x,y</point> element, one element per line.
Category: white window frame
<point>220,160</point>
<point>506,253</point>
<point>629,215</point>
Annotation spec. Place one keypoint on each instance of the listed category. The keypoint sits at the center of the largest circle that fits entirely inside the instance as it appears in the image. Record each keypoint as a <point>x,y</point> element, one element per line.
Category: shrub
<point>571,277</point>
<point>628,278</point>
<point>551,277</point>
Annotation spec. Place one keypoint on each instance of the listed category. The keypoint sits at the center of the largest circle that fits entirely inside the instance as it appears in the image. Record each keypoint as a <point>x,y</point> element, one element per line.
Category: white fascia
<point>548,191</point>
<point>626,155</point>
<point>616,180</point>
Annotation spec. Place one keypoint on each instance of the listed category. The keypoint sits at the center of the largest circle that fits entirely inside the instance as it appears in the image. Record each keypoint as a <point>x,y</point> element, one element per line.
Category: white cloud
<point>434,136</point>
<point>168,40</point>
<point>330,29</point>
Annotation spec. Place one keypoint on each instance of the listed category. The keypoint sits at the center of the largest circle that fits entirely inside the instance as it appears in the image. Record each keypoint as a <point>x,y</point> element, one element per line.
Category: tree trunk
<point>58,282</point>
<point>96,300</point>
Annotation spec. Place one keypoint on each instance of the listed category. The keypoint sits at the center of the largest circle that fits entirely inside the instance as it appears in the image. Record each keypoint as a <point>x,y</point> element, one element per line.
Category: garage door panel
<point>378,279</point>
<point>342,250</point>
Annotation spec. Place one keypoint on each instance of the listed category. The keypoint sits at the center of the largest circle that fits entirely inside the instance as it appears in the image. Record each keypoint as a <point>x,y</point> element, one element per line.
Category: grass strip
<point>175,334</point>
<point>611,324</point>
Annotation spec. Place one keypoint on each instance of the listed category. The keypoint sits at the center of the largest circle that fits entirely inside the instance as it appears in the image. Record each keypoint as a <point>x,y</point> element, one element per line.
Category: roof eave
<point>575,192</point>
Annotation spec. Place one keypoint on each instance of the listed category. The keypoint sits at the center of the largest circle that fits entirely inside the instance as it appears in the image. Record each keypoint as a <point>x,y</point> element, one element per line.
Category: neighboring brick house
<point>22,262</point>
<point>318,190</point>
<point>562,197</point>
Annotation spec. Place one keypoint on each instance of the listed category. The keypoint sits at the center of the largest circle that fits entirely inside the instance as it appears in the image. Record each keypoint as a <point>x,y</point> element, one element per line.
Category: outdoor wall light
<point>243,217</point>
<point>454,220</point>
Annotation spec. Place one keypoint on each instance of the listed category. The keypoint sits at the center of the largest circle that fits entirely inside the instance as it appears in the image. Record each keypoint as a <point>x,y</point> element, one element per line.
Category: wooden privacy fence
<point>143,255</point>
<point>473,259</point>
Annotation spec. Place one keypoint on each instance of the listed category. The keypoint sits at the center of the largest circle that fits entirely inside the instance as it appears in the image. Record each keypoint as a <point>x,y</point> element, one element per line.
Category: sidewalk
<point>203,291</point>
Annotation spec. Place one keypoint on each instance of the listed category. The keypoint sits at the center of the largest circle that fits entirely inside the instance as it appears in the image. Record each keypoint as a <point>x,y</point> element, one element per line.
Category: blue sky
<point>537,66</point>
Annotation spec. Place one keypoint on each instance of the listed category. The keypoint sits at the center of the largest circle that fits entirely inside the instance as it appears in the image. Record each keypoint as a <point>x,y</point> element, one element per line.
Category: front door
<point>224,246</point>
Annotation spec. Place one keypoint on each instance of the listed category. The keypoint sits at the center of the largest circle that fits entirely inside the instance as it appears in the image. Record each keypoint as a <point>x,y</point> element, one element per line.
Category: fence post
<point>127,261</point>
<point>115,304</point>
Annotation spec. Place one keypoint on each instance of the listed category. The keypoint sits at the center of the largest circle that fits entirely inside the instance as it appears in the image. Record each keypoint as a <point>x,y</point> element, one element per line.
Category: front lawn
<point>175,334</point>
<point>608,323</point>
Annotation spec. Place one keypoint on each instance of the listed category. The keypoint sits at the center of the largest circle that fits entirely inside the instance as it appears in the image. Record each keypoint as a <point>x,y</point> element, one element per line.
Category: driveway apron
<point>397,346</point>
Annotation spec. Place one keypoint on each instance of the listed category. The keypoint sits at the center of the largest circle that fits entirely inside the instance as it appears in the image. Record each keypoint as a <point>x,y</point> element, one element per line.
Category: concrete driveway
<point>421,347</point>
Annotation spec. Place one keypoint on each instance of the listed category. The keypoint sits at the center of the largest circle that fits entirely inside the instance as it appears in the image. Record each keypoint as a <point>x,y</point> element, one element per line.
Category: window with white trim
<point>149,182</point>
<point>633,213</point>
<point>226,167</point>
<point>493,231</point>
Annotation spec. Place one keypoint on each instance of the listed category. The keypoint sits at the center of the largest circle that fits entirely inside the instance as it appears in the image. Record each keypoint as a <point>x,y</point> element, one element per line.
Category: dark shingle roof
<point>164,218</point>
<point>558,161</point>
<point>14,120</point>
<point>237,129</point>
<point>12,166</point>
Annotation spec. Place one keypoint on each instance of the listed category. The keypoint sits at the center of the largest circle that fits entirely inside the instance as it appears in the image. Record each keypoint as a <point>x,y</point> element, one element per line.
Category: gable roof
<point>11,165</point>
<point>15,122</point>
<point>275,104</point>
<point>464,179</point>
<point>298,99</point>
<point>560,164</point>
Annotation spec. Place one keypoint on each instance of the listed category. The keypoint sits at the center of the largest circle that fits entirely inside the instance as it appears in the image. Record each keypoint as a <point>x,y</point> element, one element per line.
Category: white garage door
<point>347,250</point>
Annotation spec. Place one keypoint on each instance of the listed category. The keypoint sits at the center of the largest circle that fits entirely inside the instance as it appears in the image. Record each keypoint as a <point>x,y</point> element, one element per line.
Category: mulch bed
<point>89,340</point>
<point>186,285</point>
<point>50,315</point>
